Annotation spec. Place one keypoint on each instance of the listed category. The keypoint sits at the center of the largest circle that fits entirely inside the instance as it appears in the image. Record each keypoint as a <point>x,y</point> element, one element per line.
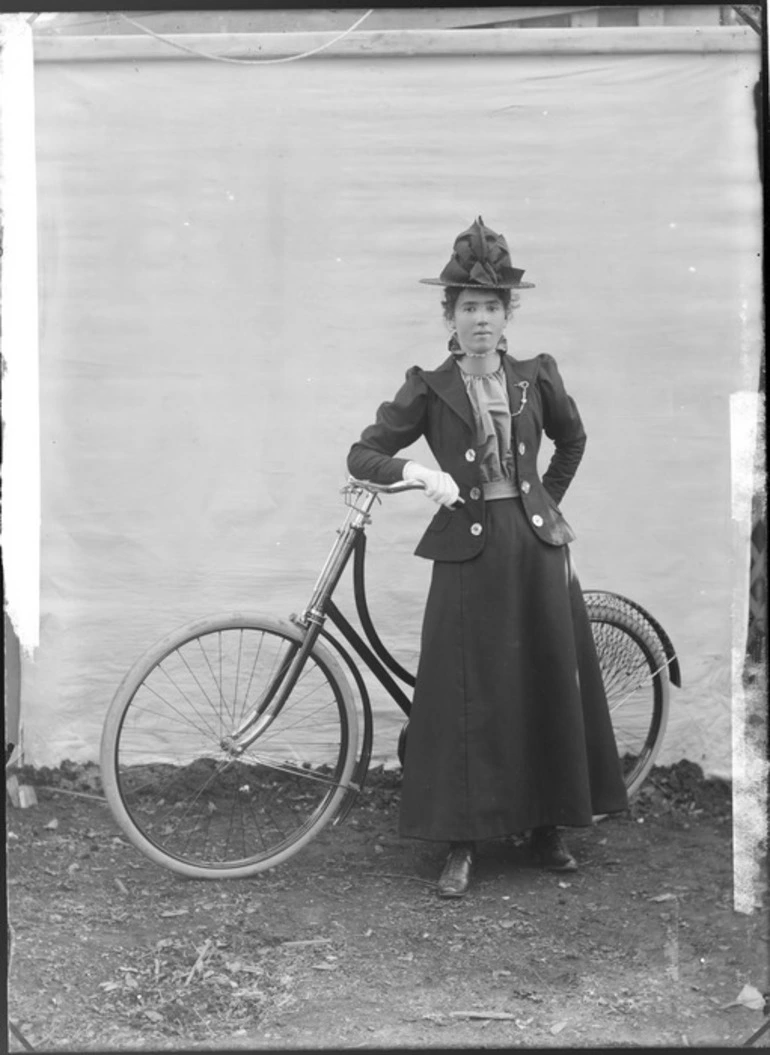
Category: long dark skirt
<point>510,728</point>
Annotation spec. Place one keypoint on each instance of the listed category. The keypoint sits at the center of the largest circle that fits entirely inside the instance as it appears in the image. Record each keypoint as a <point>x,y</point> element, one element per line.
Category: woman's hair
<point>508,298</point>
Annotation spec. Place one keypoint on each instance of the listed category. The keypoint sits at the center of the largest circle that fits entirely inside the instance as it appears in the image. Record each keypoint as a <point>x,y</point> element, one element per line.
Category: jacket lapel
<point>446,382</point>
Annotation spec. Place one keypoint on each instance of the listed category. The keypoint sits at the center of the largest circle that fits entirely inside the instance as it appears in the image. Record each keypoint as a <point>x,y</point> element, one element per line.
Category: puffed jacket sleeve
<point>398,424</point>
<point>562,424</point>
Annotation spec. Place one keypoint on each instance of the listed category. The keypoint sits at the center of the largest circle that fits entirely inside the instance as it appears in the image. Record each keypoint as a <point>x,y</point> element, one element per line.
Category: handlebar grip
<point>388,489</point>
<point>396,488</point>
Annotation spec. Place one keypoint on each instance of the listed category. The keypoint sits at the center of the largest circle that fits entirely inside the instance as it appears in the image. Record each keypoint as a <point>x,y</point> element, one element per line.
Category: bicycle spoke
<point>217,684</point>
<point>287,726</point>
<point>251,712</point>
<point>254,665</point>
<point>200,806</point>
<point>634,672</point>
<point>183,694</point>
<point>261,828</point>
<point>183,718</point>
<point>271,688</point>
<point>237,675</point>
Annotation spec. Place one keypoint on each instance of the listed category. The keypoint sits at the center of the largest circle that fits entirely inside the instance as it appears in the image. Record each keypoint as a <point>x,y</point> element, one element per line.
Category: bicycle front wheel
<point>176,788</point>
<point>635,675</point>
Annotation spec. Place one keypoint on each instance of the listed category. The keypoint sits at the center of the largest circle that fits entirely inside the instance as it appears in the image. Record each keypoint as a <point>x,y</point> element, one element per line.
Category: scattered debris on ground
<point>347,945</point>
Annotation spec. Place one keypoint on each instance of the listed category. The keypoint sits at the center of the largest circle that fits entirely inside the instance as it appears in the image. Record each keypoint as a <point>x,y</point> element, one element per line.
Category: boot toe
<point>455,879</point>
<point>549,849</point>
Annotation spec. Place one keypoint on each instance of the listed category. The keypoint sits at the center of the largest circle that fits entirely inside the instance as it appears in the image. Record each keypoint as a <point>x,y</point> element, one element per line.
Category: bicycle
<point>235,739</point>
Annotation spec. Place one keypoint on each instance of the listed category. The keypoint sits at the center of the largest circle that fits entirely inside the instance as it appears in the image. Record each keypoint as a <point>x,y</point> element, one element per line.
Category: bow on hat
<point>480,258</point>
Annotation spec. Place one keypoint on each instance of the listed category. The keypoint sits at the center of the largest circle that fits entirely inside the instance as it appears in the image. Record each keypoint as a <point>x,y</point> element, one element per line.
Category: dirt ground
<point>348,946</point>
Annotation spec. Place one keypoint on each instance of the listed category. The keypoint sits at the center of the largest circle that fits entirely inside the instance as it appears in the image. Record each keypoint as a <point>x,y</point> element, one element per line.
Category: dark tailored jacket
<point>435,404</point>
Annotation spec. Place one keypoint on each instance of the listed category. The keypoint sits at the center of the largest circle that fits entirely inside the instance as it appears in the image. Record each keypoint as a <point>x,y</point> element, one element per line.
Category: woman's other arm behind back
<point>563,425</point>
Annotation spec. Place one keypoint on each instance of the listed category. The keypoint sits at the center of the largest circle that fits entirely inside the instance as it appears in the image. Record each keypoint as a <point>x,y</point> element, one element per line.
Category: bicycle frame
<point>351,539</point>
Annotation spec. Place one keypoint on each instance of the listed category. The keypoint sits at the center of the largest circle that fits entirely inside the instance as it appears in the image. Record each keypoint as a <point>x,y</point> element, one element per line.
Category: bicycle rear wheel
<point>635,674</point>
<point>180,795</point>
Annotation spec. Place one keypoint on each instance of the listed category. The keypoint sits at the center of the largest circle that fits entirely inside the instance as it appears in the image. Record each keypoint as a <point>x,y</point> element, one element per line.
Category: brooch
<point>523,385</point>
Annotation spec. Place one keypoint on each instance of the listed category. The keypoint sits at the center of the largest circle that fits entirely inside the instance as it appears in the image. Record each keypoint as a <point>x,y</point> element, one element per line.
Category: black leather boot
<point>456,876</point>
<point>548,847</point>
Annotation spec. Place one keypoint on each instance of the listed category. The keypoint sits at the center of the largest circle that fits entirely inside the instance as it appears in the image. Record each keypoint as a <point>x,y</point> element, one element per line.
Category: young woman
<point>509,730</point>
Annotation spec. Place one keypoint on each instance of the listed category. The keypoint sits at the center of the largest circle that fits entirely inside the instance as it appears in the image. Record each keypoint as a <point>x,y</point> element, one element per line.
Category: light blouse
<point>488,394</point>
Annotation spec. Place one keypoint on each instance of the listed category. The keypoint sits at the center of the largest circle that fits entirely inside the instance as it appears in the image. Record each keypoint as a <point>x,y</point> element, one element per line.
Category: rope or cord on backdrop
<point>246,62</point>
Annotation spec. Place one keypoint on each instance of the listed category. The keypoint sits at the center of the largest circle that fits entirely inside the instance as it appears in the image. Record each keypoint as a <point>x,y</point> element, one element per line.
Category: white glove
<point>438,486</point>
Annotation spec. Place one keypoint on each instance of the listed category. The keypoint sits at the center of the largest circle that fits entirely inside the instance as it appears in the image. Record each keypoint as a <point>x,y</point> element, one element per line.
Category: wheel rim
<point>184,791</point>
<point>633,683</point>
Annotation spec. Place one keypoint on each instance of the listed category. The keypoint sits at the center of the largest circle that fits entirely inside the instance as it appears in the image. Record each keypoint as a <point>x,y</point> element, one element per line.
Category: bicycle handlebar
<point>396,488</point>
<point>388,489</point>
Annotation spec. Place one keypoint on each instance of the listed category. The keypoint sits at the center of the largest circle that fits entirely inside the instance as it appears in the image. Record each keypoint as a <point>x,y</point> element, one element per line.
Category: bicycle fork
<point>264,713</point>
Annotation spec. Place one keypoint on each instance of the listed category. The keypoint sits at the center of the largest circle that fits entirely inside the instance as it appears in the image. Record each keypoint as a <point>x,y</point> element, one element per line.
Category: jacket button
<point>525,486</point>
<point>537,520</point>
<point>470,455</point>
<point>476,529</point>
<point>475,493</point>
<point>522,448</point>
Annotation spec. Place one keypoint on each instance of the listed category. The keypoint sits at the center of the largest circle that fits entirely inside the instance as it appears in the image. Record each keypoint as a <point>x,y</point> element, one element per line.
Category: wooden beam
<point>404,43</point>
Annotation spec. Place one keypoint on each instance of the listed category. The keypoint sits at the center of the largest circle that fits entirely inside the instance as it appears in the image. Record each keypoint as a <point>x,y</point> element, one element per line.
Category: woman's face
<point>479,320</point>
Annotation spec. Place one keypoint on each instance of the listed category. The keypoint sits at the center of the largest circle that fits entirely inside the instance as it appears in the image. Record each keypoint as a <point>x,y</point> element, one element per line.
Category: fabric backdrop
<point>229,264</point>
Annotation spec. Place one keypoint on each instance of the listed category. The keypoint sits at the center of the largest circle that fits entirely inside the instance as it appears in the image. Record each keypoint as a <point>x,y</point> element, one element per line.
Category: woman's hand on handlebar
<point>438,486</point>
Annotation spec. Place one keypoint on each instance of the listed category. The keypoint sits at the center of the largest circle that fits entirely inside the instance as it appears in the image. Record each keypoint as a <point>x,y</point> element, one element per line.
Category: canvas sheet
<point>229,259</point>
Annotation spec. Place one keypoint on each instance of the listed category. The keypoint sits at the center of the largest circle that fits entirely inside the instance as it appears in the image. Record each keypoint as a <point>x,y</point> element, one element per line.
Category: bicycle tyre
<point>179,796</point>
<point>635,674</point>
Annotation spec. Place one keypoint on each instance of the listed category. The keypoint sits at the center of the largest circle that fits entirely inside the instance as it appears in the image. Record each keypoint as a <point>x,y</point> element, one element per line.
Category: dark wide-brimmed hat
<point>480,258</point>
